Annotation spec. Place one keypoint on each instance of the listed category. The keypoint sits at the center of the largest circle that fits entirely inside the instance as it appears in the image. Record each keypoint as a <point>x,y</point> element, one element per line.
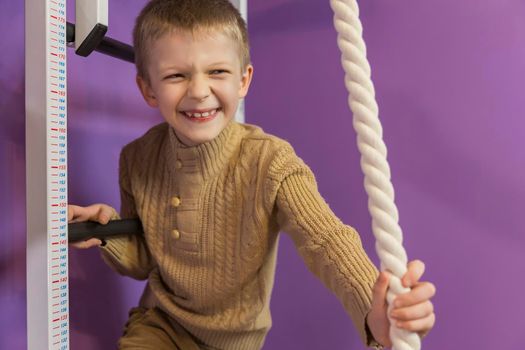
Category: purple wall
<point>448,77</point>
<point>12,178</point>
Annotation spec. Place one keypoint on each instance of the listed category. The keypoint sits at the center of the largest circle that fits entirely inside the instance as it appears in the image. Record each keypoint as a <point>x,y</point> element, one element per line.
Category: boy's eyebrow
<point>220,63</point>
<point>174,66</point>
<point>168,67</point>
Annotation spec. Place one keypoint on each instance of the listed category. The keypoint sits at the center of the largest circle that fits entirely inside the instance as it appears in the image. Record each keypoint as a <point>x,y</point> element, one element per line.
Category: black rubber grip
<point>80,231</point>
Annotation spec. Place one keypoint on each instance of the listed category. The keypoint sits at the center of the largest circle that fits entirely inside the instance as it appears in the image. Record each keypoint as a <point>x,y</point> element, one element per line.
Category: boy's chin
<point>199,133</point>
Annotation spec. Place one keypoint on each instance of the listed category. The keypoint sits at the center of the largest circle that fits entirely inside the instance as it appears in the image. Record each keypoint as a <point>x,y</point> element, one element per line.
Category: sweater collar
<point>206,158</point>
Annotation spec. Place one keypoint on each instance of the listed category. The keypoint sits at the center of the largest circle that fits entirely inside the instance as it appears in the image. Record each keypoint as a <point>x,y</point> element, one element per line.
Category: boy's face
<point>196,82</point>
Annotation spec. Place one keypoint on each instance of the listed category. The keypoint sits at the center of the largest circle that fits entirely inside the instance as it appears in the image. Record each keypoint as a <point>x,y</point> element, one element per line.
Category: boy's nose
<point>198,88</point>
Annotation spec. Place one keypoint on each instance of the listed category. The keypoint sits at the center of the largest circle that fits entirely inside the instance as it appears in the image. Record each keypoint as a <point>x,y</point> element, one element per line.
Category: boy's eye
<point>218,71</point>
<point>174,76</point>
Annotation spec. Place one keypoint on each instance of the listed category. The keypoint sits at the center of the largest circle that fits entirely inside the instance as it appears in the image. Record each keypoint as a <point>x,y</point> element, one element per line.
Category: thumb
<point>380,290</point>
<point>378,321</point>
<point>92,242</point>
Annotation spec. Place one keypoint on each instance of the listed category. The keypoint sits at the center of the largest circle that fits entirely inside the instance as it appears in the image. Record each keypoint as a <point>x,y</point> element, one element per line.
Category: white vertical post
<point>242,6</point>
<point>46,175</point>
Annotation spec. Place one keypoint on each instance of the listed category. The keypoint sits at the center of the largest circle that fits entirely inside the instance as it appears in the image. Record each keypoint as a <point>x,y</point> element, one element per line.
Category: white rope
<point>378,186</point>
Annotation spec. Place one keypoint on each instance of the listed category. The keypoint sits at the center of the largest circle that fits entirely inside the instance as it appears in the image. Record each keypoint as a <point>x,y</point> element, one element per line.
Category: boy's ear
<point>246,79</point>
<point>146,92</point>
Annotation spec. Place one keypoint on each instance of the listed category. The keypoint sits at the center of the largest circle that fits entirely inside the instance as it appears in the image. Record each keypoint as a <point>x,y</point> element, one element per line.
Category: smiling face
<point>196,81</point>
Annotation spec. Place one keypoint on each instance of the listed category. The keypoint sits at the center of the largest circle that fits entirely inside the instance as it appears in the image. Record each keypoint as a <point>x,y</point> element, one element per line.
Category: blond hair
<point>160,17</point>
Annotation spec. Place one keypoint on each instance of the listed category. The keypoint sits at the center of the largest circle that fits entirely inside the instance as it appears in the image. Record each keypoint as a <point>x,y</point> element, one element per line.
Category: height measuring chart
<point>46,164</point>
<point>46,169</point>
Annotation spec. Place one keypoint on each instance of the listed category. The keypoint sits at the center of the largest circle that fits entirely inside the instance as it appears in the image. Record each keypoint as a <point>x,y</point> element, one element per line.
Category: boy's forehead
<point>207,44</point>
<point>198,34</point>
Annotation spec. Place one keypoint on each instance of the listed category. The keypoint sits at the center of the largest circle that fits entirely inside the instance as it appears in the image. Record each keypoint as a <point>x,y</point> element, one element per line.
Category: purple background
<point>449,78</point>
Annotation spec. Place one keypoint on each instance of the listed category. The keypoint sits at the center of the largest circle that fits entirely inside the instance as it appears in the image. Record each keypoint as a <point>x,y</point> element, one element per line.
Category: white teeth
<point>201,115</point>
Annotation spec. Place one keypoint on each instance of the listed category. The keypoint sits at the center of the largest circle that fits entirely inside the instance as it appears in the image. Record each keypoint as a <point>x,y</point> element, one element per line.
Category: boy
<point>213,194</point>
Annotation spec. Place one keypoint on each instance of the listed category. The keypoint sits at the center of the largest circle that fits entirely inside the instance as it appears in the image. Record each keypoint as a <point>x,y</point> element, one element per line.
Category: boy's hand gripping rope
<point>375,167</point>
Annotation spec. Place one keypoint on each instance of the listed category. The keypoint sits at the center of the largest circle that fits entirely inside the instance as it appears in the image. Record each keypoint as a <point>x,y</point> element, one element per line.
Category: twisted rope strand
<point>373,150</point>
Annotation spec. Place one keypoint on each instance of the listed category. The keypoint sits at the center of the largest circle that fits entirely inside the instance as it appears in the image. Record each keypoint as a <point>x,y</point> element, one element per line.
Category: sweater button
<point>175,201</point>
<point>176,234</point>
<point>178,164</point>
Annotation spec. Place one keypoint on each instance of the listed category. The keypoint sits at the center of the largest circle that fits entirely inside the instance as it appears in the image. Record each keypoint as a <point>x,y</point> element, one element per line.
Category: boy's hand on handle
<point>100,213</point>
<point>412,311</point>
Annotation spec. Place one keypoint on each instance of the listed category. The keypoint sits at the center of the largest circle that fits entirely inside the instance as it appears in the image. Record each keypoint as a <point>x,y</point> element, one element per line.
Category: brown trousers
<point>152,329</point>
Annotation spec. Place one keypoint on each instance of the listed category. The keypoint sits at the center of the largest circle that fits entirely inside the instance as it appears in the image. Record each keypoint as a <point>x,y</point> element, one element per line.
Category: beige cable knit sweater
<point>211,216</point>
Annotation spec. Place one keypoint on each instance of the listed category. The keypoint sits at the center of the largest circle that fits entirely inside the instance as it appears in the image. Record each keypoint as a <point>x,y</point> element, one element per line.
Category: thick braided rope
<point>375,167</point>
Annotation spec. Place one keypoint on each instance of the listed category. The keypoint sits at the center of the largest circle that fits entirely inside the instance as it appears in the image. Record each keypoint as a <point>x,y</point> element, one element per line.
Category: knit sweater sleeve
<point>128,255</point>
<point>330,249</point>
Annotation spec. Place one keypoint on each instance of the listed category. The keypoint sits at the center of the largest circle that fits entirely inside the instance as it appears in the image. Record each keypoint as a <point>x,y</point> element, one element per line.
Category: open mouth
<point>201,116</point>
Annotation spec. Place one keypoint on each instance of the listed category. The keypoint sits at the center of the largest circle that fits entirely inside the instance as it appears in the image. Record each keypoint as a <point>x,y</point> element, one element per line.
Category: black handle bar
<point>81,231</point>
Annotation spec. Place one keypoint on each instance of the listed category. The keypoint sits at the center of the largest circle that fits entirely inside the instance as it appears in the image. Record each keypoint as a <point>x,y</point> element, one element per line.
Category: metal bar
<point>81,231</point>
<point>117,49</point>
<point>108,46</point>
